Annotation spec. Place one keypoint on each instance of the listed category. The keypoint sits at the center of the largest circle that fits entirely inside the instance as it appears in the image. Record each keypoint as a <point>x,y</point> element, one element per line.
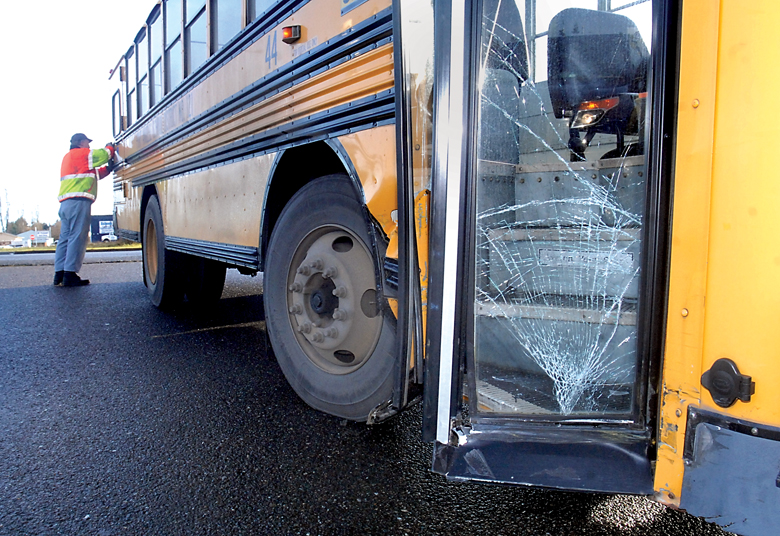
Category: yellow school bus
<point>551,222</point>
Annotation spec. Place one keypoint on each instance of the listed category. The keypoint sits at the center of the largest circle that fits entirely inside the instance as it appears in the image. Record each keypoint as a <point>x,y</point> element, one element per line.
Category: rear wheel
<point>331,338</point>
<point>205,279</point>
<point>161,272</point>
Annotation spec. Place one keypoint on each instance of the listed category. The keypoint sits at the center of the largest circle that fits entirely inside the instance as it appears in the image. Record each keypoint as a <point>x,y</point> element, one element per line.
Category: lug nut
<point>304,328</point>
<point>304,270</point>
<point>296,309</point>
<point>332,333</point>
<point>340,292</point>
<point>330,272</point>
<point>316,264</point>
<point>318,337</point>
<point>339,314</point>
<point>296,287</point>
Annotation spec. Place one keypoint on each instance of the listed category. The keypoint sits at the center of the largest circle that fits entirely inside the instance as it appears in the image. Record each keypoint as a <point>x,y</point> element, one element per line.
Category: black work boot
<point>58,276</point>
<point>71,279</point>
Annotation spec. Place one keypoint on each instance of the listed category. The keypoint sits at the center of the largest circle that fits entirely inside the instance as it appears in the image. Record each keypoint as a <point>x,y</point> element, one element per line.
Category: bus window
<point>175,70</point>
<point>228,17</point>
<point>116,113</point>
<point>156,49</point>
<point>196,43</point>
<point>172,21</point>
<point>131,81</point>
<point>194,8</point>
<point>174,67</point>
<point>142,55</point>
<point>156,40</point>
<point>258,7</point>
<point>143,96</point>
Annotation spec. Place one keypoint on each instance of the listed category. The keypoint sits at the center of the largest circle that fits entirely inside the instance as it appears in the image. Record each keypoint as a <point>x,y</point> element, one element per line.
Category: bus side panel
<point>372,153</point>
<point>223,204</point>
<point>743,295</point>
<point>127,207</point>
<point>731,456</point>
<point>690,230</point>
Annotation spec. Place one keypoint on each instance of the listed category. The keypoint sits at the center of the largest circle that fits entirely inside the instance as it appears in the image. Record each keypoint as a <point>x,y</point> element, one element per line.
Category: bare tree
<point>55,230</point>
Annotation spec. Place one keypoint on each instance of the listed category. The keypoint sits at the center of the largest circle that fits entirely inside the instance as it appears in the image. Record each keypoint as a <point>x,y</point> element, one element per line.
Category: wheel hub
<point>322,301</point>
<point>331,279</point>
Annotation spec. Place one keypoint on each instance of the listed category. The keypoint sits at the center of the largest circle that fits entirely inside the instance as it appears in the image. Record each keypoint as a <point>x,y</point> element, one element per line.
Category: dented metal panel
<point>732,473</point>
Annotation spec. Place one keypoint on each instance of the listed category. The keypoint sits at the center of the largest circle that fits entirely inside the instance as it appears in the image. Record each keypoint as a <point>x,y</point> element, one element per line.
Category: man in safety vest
<point>80,171</point>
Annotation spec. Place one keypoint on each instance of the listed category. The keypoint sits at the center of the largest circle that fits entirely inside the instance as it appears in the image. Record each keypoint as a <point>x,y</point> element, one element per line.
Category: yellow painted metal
<point>743,294</point>
<point>222,205</point>
<point>690,244</point>
<point>366,75</point>
<point>128,210</point>
<point>724,300</point>
<point>372,153</point>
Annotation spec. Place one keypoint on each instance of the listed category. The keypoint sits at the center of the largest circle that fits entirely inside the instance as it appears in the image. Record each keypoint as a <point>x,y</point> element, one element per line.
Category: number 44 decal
<point>270,50</point>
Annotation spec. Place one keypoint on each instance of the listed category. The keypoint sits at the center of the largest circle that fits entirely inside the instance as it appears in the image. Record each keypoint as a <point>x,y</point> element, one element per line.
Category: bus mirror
<point>577,68</point>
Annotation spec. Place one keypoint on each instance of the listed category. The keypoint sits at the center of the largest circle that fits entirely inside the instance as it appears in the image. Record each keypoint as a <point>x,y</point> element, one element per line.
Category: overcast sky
<point>55,58</point>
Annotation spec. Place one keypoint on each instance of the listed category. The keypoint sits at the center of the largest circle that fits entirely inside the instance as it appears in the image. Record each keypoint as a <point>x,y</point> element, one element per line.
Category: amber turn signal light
<point>290,34</point>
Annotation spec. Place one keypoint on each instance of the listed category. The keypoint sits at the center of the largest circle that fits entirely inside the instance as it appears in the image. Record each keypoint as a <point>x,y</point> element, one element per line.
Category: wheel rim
<point>332,300</point>
<point>150,252</point>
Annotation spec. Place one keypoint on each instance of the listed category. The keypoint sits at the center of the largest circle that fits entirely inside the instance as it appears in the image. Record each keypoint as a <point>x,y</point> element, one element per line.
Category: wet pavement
<point>116,418</point>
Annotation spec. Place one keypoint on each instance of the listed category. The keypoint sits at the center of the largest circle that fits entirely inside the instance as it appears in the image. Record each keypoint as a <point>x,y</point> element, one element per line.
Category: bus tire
<point>205,280</point>
<point>333,341</point>
<point>161,273</point>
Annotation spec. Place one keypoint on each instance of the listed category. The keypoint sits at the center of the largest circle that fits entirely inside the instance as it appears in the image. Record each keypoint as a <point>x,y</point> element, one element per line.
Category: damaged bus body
<point>522,213</point>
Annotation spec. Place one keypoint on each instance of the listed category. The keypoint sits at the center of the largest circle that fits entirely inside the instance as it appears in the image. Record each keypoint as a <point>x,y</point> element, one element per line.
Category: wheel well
<point>297,167</point>
<point>149,191</point>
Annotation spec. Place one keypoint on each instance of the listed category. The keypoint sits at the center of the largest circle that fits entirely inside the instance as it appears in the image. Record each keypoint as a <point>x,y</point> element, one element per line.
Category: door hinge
<point>726,384</point>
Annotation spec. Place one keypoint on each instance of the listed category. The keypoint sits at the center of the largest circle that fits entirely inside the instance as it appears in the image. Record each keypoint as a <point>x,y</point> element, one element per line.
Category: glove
<point>111,166</point>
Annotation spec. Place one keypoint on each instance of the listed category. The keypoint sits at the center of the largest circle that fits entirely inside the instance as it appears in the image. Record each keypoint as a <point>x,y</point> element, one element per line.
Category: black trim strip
<point>376,110</point>
<point>227,253</point>
<point>391,273</point>
<point>127,234</point>
<point>362,38</point>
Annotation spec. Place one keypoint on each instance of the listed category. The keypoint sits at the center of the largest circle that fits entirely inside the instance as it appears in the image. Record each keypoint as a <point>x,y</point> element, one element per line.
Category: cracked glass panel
<point>560,200</point>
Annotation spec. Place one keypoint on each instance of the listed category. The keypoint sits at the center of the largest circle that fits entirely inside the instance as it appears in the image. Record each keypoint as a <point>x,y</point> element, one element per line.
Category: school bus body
<point>379,103</point>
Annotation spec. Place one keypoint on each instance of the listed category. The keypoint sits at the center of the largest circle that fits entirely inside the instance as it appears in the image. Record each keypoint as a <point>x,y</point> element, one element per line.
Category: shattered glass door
<point>560,199</point>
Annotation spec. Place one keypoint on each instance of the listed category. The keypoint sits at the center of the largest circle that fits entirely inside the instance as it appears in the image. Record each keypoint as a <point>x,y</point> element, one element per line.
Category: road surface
<point>116,418</point>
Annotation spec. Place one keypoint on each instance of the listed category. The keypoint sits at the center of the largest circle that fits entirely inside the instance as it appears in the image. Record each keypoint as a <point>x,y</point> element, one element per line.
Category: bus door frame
<point>619,458</point>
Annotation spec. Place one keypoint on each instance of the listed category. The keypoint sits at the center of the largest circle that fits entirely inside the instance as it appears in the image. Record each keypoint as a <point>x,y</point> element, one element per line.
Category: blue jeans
<point>75,218</point>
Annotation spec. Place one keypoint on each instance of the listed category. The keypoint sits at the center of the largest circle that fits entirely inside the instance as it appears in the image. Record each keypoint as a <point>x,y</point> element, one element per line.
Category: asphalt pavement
<point>116,418</point>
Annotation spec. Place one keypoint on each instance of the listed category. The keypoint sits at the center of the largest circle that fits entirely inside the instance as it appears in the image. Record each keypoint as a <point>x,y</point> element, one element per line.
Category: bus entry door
<point>541,179</point>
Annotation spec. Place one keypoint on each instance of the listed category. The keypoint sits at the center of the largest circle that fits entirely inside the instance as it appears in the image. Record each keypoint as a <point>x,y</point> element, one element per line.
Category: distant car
<point>109,238</point>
